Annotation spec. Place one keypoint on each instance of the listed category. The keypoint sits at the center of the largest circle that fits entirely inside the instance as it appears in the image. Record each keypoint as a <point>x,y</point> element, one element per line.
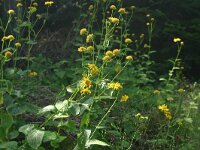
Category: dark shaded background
<point>174,18</point>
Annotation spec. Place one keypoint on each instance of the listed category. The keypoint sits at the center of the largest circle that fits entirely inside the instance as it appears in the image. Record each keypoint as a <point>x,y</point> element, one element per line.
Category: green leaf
<point>26,128</point>
<point>96,142</point>
<point>11,145</point>
<point>49,136</point>
<point>6,122</point>
<point>47,109</point>
<point>34,138</point>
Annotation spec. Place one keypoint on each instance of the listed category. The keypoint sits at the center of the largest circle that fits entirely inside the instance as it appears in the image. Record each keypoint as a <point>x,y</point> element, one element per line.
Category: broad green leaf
<point>11,145</point>
<point>34,138</point>
<point>6,122</point>
<point>47,109</point>
<point>49,136</point>
<point>26,128</point>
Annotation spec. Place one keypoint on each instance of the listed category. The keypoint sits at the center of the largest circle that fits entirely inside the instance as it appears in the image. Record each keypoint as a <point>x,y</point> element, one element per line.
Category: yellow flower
<point>168,115</point>
<point>124,98</point>
<point>10,37</point>
<point>8,54</point>
<point>181,90</point>
<point>94,69</point>
<point>114,20</point>
<point>81,49</point>
<point>141,36</point>
<point>89,38</point>
<point>157,92</point>
<point>122,10</point>
<point>19,5</point>
<point>163,108</point>
<point>32,74</point>
<point>115,86</point>
<point>116,52</point>
<point>85,82</point>
<point>39,16</point>
<point>90,48</point>
<point>109,53</point>
<point>91,7</point>
<point>83,31</point>
<point>18,44</point>
<point>176,40</point>
<point>49,3</point>
<point>129,58</point>
<point>128,40</point>
<point>85,91</point>
<point>11,12</point>
<point>107,58</point>
<point>113,7</point>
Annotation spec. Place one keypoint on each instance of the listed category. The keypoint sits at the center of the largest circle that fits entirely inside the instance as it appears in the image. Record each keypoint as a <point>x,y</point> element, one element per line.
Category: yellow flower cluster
<point>128,40</point>
<point>156,92</point>
<point>11,12</point>
<point>122,11</point>
<point>115,86</point>
<point>19,5</point>
<point>49,3</point>
<point>91,7</point>
<point>93,69</point>
<point>166,111</point>
<point>124,98</point>
<point>9,37</point>
<point>18,44</point>
<point>113,7</point>
<point>85,85</point>
<point>84,49</point>
<point>32,74</point>
<point>176,40</point>
<point>83,31</point>
<point>113,20</point>
<point>129,58</point>
<point>109,54</point>
<point>8,54</point>
<point>89,38</point>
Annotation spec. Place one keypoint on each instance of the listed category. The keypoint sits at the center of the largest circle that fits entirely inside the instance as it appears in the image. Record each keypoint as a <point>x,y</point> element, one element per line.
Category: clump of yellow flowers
<point>124,98</point>
<point>9,37</point>
<point>113,20</point>
<point>93,69</point>
<point>85,85</point>
<point>8,54</point>
<point>114,86</point>
<point>164,108</point>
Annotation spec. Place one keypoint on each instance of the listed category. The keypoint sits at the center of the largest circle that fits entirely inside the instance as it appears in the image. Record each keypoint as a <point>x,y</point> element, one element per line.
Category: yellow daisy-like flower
<point>176,40</point>
<point>181,90</point>
<point>18,44</point>
<point>49,3</point>
<point>83,31</point>
<point>8,54</point>
<point>11,12</point>
<point>109,53</point>
<point>32,74</point>
<point>82,49</point>
<point>89,38</point>
<point>114,20</point>
<point>129,58</point>
<point>122,11</point>
<point>168,115</point>
<point>113,7</point>
<point>93,69</point>
<point>19,5</point>
<point>116,52</point>
<point>91,7</point>
<point>85,91</point>
<point>115,86</point>
<point>141,36</point>
<point>85,82</point>
<point>128,40</point>
<point>90,48</point>
<point>157,92</point>
<point>107,58</point>
<point>163,108</point>
<point>124,98</point>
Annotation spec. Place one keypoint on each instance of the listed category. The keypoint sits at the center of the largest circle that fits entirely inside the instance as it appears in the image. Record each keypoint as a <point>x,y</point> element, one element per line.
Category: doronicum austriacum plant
<point>113,100</point>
